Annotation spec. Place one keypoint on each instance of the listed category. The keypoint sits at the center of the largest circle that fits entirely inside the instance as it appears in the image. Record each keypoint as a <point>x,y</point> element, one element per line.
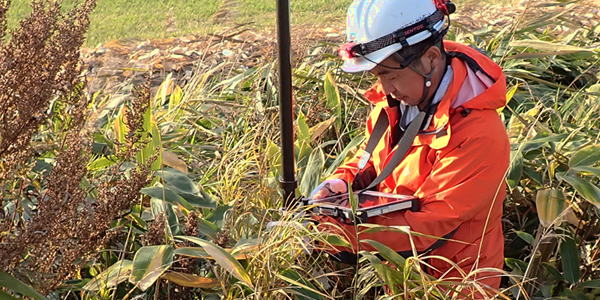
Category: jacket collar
<point>437,134</point>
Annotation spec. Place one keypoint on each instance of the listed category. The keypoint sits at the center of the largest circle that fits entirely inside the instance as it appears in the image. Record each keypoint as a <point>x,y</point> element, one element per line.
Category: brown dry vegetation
<point>41,87</point>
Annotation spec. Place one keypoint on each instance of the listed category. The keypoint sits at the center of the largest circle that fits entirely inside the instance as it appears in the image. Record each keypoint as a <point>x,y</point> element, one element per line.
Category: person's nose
<point>387,87</point>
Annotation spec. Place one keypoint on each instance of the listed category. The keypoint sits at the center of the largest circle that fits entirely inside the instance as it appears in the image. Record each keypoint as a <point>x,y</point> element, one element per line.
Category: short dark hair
<point>416,51</point>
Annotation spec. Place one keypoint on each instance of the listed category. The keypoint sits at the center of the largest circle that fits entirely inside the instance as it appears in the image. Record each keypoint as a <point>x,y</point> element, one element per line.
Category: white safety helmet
<point>378,28</point>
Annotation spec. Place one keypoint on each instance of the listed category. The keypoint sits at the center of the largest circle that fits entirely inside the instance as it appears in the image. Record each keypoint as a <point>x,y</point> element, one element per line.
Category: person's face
<point>406,85</point>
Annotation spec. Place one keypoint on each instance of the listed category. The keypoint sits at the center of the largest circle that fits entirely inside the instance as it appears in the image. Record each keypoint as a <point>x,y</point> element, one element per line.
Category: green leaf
<point>312,174</point>
<point>337,240</point>
<point>208,200</point>
<point>119,127</point>
<point>552,270</point>
<point>190,280</point>
<point>110,277</point>
<point>12,284</point>
<point>389,254</point>
<point>516,264</point>
<point>526,237</point>
<point>166,194</point>
<point>570,260</point>
<point>532,174</point>
<point>140,222</point>
<point>542,139</point>
<point>154,145</point>
<point>208,228</point>
<point>303,150</point>
<point>584,170</point>
<point>548,46</point>
<point>149,263</point>
<point>303,289</point>
<point>516,169</point>
<point>192,252</point>
<point>273,156</point>
<point>102,162</point>
<point>595,284</point>
<point>198,252</point>
<point>218,215</point>
<point>587,157</point>
<point>590,192</point>
<point>303,131</point>
<point>357,141</point>
<point>550,204</point>
<point>530,55</point>
<point>6,296</point>
<point>223,258</point>
<point>333,97</point>
<point>380,268</point>
<point>178,180</point>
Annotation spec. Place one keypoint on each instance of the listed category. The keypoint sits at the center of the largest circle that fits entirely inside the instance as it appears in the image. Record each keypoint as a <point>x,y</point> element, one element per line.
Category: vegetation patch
<point>172,192</point>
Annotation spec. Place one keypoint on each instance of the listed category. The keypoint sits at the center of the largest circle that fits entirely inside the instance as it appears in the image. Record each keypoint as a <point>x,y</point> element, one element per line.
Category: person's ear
<point>431,59</point>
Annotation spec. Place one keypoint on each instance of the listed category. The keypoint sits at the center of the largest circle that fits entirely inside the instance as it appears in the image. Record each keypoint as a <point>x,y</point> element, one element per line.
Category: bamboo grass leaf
<point>9,282</point>
<point>178,180</point>
<point>516,169</point>
<point>570,260</point>
<point>317,130</point>
<point>110,277</point>
<point>584,170</point>
<point>337,240</point>
<point>189,280</point>
<point>168,195</point>
<point>552,270</point>
<point>303,131</point>
<point>200,253</point>
<point>312,174</point>
<point>548,46</point>
<point>6,296</point>
<point>208,228</point>
<point>387,253</point>
<point>550,205</point>
<point>149,263</point>
<point>344,154</point>
<point>585,157</point>
<point>333,97</point>
<point>303,289</point>
<point>223,258</point>
<point>590,192</point>
<point>595,284</point>
<point>526,237</point>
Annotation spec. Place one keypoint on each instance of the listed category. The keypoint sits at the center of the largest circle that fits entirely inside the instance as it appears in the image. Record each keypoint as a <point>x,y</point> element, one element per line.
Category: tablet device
<point>370,204</point>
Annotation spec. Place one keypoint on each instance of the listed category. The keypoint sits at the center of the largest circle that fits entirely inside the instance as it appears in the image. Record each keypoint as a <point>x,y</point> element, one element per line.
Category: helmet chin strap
<point>427,84</point>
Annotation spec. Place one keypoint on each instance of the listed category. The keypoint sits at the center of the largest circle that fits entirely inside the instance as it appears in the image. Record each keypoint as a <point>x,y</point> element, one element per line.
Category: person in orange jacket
<point>458,160</point>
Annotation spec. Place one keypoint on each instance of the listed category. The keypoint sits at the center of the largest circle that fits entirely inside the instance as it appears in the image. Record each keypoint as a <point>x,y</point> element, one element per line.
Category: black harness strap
<point>403,147</point>
<point>379,129</point>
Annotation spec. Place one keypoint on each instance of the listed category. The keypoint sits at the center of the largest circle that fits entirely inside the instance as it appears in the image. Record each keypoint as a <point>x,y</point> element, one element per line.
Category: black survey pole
<point>288,177</point>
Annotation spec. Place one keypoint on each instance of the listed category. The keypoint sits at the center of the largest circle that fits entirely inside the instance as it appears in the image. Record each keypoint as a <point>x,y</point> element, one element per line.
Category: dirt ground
<point>114,67</point>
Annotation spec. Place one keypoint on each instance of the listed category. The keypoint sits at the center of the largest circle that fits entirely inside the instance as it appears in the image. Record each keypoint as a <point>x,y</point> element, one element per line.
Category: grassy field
<point>81,218</point>
<point>118,19</point>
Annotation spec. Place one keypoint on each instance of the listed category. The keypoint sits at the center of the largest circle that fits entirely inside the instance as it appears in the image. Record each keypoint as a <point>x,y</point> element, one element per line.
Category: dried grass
<point>40,65</point>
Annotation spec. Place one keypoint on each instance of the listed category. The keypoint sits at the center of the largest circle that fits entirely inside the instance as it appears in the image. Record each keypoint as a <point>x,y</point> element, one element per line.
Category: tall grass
<point>200,228</point>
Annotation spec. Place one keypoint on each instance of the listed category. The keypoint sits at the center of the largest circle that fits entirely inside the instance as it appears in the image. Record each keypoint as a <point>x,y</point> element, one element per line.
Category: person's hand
<point>329,188</point>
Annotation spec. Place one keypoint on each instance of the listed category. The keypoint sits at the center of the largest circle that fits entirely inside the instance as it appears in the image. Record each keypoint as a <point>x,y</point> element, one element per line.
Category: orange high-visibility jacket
<point>456,167</point>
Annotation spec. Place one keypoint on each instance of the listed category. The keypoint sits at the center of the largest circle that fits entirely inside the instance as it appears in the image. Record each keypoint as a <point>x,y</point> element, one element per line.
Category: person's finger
<point>322,193</point>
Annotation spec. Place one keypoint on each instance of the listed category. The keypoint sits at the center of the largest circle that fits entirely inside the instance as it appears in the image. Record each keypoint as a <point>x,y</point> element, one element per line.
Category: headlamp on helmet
<point>349,51</point>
